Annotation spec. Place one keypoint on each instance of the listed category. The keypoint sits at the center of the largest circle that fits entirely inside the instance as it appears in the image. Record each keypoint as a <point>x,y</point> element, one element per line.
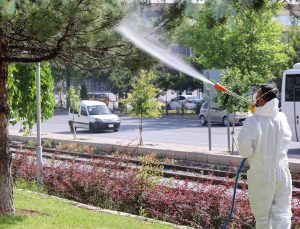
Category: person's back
<point>271,136</point>
<point>264,141</point>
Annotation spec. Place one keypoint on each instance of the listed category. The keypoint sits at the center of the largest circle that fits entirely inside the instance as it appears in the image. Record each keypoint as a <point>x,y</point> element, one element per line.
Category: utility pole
<point>38,140</point>
<point>228,131</point>
<point>233,141</point>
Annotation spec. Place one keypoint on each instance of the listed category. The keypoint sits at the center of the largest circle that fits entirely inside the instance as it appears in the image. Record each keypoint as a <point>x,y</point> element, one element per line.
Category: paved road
<point>183,131</point>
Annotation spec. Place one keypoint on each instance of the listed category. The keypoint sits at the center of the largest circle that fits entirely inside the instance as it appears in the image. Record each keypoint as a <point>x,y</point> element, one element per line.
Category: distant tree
<point>223,8</point>
<point>169,79</point>
<point>63,73</point>
<point>249,45</point>
<point>83,92</point>
<point>74,98</point>
<point>142,99</point>
<point>22,93</point>
<point>293,38</point>
<point>121,81</point>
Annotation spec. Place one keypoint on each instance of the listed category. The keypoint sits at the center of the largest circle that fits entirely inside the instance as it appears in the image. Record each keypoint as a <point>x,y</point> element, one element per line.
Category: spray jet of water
<point>128,29</point>
<point>159,53</point>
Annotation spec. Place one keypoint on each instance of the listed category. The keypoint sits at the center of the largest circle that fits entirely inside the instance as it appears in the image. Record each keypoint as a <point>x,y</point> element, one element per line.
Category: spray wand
<point>223,89</point>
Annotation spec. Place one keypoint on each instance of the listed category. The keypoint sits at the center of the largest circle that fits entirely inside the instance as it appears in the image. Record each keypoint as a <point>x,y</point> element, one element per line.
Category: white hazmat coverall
<point>264,140</point>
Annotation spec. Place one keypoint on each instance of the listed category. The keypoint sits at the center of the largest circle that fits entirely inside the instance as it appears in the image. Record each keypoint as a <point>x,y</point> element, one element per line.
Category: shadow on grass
<point>20,216</point>
<point>11,220</point>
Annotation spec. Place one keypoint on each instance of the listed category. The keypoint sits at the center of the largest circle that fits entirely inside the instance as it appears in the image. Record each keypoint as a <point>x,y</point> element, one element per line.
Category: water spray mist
<point>142,41</point>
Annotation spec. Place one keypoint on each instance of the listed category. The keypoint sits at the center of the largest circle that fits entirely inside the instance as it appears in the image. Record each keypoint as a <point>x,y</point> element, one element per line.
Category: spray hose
<point>234,194</point>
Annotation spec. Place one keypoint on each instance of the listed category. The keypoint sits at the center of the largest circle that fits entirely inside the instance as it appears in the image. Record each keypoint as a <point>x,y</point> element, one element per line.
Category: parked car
<point>187,101</point>
<point>93,115</point>
<point>220,116</point>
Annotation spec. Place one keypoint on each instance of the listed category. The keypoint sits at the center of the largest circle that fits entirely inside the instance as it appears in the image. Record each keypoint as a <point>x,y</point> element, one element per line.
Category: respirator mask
<point>255,100</point>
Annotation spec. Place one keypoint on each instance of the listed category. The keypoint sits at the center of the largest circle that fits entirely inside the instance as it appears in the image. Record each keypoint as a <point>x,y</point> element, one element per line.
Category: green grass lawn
<point>37,211</point>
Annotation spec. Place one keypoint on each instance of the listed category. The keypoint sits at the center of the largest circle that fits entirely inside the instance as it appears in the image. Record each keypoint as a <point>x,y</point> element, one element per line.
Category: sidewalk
<point>175,151</point>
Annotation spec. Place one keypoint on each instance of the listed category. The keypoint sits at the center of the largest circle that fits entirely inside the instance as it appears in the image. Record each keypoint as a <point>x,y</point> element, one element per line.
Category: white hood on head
<point>269,109</point>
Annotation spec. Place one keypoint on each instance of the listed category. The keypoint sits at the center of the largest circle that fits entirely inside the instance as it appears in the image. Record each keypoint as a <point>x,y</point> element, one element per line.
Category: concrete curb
<point>213,157</point>
<point>107,211</point>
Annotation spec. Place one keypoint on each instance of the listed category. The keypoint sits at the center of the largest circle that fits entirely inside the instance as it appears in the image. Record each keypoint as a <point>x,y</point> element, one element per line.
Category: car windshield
<point>98,110</point>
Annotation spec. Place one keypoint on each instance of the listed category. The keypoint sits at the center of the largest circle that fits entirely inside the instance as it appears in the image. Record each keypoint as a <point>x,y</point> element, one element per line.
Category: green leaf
<point>142,97</point>
<point>249,46</point>
<point>22,93</point>
<point>10,7</point>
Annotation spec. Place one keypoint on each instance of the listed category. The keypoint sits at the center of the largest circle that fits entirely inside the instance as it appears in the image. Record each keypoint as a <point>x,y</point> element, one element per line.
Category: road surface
<point>183,131</point>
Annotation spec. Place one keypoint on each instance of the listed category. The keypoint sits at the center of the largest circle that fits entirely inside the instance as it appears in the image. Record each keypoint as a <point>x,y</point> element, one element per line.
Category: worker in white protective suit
<point>264,140</point>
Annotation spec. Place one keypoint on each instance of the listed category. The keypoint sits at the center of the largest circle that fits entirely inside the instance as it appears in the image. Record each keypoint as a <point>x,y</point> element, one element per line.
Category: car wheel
<point>203,120</point>
<point>225,121</point>
<point>92,127</point>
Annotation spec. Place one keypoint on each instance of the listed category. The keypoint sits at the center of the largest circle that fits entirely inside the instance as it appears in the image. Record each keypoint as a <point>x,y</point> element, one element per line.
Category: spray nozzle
<point>221,88</point>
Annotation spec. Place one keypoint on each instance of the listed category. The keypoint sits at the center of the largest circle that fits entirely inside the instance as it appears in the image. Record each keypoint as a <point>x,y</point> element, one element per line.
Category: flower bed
<point>110,185</point>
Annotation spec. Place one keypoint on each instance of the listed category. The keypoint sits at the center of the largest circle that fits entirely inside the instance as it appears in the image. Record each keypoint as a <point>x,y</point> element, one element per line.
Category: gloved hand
<point>252,108</point>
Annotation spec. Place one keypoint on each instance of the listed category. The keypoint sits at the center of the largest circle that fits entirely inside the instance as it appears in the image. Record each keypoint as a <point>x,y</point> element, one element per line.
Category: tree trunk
<point>74,130</point>
<point>6,182</point>
<point>141,129</point>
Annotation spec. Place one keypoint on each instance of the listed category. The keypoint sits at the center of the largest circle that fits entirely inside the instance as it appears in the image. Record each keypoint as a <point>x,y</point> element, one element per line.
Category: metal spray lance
<point>223,89</point>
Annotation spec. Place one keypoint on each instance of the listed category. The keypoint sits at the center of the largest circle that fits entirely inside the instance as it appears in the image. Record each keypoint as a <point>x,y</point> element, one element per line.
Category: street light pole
<point>209,115</point>
<point>228,131</point>
<point>38,113</point>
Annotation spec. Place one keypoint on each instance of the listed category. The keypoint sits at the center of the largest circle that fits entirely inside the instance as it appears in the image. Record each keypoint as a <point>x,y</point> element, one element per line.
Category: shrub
<point>118,185</point>
<point>77,148</point>
<point>48,143</point>
<point>199,206</point>
<point>150,169</point>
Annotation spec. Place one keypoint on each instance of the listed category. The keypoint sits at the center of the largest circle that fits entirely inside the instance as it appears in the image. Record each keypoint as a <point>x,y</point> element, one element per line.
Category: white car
<point>93,115</point>
<point>218,116</point>
<point>186,101</point>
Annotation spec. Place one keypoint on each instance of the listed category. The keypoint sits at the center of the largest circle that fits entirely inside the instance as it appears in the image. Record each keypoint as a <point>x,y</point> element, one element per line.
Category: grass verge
<point>37,211</point>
